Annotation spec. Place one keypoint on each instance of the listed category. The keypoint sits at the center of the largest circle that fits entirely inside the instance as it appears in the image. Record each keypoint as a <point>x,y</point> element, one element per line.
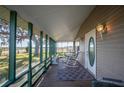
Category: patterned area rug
<point>73,73</point>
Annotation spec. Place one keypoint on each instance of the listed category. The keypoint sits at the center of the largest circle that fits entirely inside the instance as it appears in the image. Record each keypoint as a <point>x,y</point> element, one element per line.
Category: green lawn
<point>22,60</point>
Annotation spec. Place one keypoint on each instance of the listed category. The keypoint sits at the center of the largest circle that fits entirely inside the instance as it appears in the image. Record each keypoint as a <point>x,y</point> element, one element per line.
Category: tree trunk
<point>37,43</point>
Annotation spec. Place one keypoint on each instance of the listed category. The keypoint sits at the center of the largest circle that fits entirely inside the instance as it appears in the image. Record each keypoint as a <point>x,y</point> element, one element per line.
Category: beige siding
<point>110,50</point>
<point>81,56</point>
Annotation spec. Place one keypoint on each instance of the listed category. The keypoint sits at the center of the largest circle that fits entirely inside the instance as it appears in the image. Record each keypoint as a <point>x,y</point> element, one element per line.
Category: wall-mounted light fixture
<point>101,29</point>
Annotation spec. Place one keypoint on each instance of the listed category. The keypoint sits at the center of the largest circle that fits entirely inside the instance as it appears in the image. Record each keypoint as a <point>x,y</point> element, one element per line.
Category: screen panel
<point>4,43</point>
<point>22,46</point>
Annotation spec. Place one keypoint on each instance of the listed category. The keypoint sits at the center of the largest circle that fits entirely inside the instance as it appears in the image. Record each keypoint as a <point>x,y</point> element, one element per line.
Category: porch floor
<point>51,78</point>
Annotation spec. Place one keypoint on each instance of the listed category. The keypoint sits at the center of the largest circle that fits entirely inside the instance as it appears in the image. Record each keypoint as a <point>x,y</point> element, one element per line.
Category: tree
<point>36,40</point>
<point>4,34</point>
<point>21,35</point>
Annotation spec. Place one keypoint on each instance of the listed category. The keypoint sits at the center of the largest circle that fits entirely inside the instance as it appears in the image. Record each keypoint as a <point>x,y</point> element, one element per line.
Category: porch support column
<point>46,50</point>
<point>55,48</point>
<point>74,46</point>
<point>50,47</point>
<point>12,48</point>
<point>30,30</point>
<point>41,47</point>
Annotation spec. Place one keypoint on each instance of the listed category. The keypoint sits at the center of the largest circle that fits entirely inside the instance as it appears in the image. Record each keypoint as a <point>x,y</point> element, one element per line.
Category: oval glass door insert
<point>91,50</point>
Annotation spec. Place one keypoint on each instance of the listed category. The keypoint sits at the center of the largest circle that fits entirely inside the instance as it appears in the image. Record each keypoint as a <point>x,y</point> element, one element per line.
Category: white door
<point>90,52</point>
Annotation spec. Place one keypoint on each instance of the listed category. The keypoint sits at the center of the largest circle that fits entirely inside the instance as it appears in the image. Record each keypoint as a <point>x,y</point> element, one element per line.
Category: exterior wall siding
<point>110,50</point>
<point>81,57</point>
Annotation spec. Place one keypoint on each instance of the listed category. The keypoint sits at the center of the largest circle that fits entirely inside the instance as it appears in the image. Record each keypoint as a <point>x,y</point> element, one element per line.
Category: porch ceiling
<point>60,22</point>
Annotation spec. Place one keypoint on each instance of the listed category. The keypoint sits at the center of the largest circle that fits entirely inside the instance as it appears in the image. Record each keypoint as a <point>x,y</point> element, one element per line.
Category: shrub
<point>27,50</point>
<point>0,51</point>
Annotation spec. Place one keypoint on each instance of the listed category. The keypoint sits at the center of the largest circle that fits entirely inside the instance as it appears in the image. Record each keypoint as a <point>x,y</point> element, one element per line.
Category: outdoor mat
<point>73,73</point>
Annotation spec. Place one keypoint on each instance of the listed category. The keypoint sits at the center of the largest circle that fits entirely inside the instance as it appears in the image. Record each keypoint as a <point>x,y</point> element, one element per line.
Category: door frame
<point>87,37</point>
